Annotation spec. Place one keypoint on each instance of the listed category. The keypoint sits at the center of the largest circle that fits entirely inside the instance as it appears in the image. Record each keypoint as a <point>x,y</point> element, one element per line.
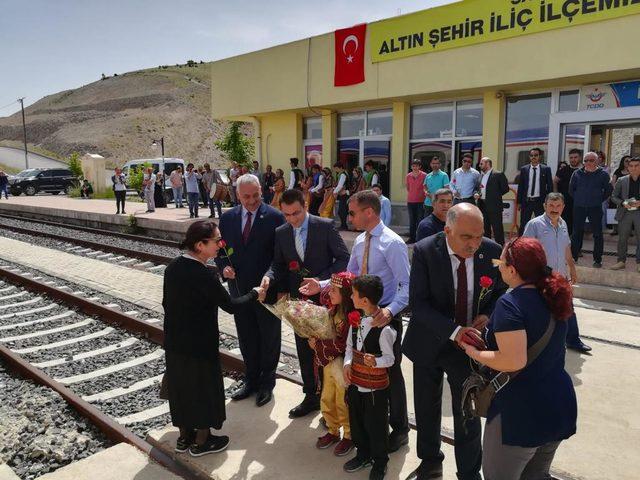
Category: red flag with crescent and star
<point>349,52</point>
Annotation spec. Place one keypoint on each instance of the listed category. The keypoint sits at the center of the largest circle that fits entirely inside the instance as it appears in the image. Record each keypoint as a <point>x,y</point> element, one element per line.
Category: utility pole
<point>24,131</point>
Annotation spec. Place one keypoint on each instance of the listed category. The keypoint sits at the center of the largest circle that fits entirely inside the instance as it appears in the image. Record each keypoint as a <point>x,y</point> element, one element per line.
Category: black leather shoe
<point>377,472</point>
<point>311,403</point>
<point>263,397</point>
<point>579,347</point>
<point>397,440</point>
<point>243,392</point>
<point>426,472</point>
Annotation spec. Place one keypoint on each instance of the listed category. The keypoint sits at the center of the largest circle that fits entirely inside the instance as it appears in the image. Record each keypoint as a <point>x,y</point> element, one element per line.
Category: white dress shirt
<point>455,263</point>
<point>292,180</point>
<point>483,184</point>
<point>341,179</point>
<point>320,185</point>
<point>387,338</point>
<point>536,188</point>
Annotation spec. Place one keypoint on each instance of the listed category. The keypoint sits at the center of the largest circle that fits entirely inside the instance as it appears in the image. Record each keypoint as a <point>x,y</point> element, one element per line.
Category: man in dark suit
<point>444,297</point>
<point>492,186</point>
<point>249,229</point>
<point>317,250</point>
<point>536,180</point>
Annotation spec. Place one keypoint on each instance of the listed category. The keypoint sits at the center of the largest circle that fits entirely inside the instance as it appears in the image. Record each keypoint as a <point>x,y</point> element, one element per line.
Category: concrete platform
<point>120,462</point>
<point>267,445</point>
<point>6,473</point>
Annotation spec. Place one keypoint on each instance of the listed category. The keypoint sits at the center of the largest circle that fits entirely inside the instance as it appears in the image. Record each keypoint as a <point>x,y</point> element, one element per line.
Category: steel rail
<point>229,361</point>
<point>145,256</point>
<point>128,236</point>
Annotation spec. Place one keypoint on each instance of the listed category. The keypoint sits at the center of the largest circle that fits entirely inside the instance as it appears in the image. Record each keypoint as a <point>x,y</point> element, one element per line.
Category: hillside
<point>119,116</point>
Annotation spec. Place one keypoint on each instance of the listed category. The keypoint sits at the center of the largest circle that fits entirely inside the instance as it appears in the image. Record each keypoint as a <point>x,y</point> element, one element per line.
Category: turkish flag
<point>349,52</point>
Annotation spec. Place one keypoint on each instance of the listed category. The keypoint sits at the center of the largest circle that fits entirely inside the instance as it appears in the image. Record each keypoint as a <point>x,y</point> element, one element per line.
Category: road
<point>14,157</point>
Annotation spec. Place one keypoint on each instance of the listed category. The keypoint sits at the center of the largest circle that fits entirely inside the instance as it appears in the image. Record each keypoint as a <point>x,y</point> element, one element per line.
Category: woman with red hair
<point>537,408</point>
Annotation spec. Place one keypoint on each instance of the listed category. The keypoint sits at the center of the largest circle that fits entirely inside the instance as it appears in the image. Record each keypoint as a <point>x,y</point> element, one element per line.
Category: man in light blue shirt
<point>387,258</point>
<point>435,180</point>
<point>385,206</point>
<point>552,232</point>
<point>191,178</point>
<point>464,181</point>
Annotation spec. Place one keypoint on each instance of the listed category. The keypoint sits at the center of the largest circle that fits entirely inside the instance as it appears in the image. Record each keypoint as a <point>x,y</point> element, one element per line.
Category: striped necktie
<point>299,243</point>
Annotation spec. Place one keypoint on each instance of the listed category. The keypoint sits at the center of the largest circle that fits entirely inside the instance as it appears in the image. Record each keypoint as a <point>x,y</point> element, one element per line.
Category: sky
<point>47,46</point>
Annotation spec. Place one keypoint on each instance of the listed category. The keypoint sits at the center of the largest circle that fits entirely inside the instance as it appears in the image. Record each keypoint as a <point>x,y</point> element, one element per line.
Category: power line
<point>8,105</point>
<point>24,130</point>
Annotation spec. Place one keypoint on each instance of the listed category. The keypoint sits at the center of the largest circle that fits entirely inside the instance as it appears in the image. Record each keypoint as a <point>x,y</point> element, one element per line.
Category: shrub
<point>75,166</point>
<point>74,192</point>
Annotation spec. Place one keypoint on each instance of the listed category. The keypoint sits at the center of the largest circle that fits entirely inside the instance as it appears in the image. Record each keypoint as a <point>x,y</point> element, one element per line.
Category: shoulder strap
<point>536,349</point>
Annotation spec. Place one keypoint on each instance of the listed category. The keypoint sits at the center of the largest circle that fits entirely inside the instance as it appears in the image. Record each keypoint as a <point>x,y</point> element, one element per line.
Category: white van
<point>170,164</point>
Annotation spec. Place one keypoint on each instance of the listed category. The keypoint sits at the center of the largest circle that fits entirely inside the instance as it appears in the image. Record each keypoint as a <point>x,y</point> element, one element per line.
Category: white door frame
<point>372,138</point>
<point>558,120</point>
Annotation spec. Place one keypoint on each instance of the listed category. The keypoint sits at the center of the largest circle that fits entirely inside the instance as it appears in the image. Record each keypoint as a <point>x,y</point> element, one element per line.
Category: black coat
<point>325,253</point>
<point>192,294</point>
<point>250,261</point>
<point>432,296</point>
<point>546,183</point>
<point>497,186</point>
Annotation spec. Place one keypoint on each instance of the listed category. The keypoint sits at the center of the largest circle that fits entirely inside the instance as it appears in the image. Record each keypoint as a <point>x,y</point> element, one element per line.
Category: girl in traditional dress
<point>326,207</point>
<point>357,182</point>
<point>329,356</point>
<point>278,188</point>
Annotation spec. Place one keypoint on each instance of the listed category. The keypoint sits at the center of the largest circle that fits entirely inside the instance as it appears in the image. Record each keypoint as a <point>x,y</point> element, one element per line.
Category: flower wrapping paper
<point>307,319</point>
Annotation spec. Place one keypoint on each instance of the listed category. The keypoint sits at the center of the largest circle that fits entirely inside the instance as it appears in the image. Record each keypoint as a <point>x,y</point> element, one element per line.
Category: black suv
<point>34,180</point>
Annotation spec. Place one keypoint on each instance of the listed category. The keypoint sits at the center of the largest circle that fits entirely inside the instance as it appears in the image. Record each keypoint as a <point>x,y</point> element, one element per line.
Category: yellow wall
<point>281,139</point>
<point>276,79</point>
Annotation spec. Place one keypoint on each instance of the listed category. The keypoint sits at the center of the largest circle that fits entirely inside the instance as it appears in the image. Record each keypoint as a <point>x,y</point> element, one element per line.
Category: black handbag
<point>482,385</point>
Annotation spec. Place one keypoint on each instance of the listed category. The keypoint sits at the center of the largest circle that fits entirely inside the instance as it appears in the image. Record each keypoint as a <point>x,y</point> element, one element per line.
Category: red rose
<point>485,282</point>
<point>354,318</point>
<point>222,243</point>
<point>294,266</point>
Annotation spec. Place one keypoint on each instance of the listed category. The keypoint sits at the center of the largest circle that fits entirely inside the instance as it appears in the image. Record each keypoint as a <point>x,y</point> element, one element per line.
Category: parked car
<point>50,180</point>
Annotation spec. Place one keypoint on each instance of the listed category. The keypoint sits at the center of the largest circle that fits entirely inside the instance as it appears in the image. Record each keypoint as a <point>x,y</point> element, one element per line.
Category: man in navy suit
<point>249,229</point>
<point>535,182</point>
<point>317,250</point>
<point>444,297</point>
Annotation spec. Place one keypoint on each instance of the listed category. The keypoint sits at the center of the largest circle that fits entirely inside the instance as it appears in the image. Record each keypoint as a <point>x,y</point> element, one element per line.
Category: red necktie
<point>461,293</point>
<point>247,229</point>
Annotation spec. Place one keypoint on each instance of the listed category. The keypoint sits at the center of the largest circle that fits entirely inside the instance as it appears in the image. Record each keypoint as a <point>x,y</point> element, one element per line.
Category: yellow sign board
<point>471,22</point>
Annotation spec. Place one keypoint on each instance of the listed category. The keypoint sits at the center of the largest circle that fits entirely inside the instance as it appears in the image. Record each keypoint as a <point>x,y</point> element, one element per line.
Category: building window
<point>447,131</point>
<point>379,122</point>
<point>350,124</point>
<point>312,128</point>
<point>527,126</point>
<point>569,101</point>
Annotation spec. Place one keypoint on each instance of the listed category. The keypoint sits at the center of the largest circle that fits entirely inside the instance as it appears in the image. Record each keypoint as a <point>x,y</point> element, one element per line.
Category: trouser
<point>573,332</point>
<point>332,403</point>
<point>567,213</point>
<point>314,206</point>
<point>398,416</point>
<point>259,338</point>
<point>204,195</point>
<point>605,205</point>
<point>629,221</point>
<point>343,210</point>
<point>192,200</point>
<point>427,384</point>
<point>369,422</point>
<point>594,214</point>
<point>151,202</point>
<point>305,359</point>
<point>509,462</point>
<point>492,221</point>
<point>177,196</point>
<point>215,204</point>
<point>533,207</point>
<point>4,189</point>
<point>121,195</point>
<point>416,214</point>
<point>232,194</point>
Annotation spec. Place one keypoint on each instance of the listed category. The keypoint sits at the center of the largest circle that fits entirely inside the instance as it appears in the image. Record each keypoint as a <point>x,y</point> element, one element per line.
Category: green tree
<point>236,146</point>
<point>136,176</point>
<point>75,166</point>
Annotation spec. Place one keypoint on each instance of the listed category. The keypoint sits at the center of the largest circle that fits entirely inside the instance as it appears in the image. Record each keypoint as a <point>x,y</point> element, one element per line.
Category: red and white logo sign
<point>349,55</point>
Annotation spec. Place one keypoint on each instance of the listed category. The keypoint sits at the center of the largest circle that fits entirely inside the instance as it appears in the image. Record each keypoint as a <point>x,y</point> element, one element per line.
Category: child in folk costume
<point>328,358</point>
<point>368,355</point>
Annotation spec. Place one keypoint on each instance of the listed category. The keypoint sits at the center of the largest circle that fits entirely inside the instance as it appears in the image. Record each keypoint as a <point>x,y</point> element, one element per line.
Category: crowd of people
<point>461,314</point>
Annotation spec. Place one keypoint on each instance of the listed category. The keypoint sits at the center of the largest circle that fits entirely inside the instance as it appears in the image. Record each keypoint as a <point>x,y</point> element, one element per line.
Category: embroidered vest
<point>362,375</point>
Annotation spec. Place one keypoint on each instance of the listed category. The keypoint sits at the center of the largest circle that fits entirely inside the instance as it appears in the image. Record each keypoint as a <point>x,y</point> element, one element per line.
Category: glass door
<point>378,151</point>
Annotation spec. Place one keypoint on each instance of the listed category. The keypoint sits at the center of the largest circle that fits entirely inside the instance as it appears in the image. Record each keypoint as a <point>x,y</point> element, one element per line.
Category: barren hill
<point>119,116</point>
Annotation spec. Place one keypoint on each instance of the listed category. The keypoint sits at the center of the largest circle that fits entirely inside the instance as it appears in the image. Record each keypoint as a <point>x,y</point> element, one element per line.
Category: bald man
<point>444,296</point>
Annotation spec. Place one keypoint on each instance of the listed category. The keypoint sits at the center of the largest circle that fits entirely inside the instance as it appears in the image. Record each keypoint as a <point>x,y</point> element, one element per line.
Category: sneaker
<point>343,448</point>
<point>597,265</point>
<point>356,464</point>
<point>378,471</point>
<point>183,444</point>
<point>214,444</point>
<point>326,441</point>
<point>618,266</point>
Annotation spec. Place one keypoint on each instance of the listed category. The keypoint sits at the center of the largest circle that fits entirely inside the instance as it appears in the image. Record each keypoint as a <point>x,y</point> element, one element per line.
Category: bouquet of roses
<point>307,319</point>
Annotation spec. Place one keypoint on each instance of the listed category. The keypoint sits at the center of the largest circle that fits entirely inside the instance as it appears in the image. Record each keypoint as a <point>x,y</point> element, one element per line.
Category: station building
<point>489,77</point>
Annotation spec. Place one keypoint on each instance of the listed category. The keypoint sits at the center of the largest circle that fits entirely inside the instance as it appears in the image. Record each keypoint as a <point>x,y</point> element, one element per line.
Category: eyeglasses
<point>467,161</point>
<point>590,161</point>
